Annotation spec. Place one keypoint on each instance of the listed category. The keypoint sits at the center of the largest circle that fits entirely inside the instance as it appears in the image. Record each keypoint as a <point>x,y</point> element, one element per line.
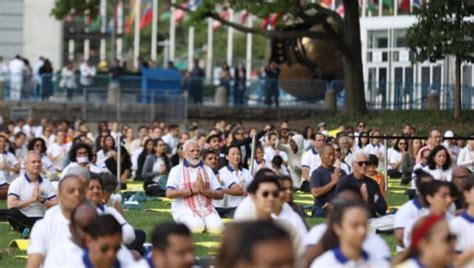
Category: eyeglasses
<point>450,237</point>
<point>363,163</point>
<point>105,248</point>
<point>275,194</point>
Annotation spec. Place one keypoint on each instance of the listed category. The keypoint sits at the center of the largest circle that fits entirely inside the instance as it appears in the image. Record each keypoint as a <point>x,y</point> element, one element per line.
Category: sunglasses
<point>275,194</point>
<point>105,248</point>
<point>363,163</point>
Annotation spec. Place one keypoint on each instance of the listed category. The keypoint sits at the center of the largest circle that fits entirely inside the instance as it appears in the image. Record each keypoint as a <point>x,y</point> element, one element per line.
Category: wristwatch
<point>42,200</point>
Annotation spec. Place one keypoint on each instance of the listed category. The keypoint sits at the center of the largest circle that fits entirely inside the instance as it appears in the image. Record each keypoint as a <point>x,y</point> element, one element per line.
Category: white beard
<point>193,162</point>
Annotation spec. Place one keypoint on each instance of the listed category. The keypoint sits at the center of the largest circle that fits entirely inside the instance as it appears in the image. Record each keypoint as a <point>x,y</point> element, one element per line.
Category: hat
<point>77,171</point>
<point>321,124</point>
<point>449,134</point>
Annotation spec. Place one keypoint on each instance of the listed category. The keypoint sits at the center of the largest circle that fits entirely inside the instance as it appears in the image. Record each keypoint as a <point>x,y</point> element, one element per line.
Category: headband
<point>424,228</point>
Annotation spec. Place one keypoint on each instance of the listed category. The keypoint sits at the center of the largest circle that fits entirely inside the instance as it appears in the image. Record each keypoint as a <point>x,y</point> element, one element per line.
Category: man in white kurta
<point>192,186</point>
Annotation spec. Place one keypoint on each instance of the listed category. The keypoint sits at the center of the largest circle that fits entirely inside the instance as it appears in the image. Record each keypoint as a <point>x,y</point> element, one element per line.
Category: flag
<point>274,18</point>
<point>326,3</point>
<point>93,25</point>
<point>130,18</point>
<point>388,3</point>
<point>179,14</point>
<point>225,15</point>
<point>404,5</point>
<point>147,17</point>
<point>340,10</point>
<point>416,4</point>
<point>244,15</point>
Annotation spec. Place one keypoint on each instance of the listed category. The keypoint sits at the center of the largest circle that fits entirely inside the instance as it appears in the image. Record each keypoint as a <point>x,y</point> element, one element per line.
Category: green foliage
<point>443,28</point>
<point>63,7</point>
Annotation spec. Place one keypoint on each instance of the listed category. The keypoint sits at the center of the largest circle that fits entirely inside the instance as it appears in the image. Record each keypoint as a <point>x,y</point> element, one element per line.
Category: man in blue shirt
<point>324,180</point>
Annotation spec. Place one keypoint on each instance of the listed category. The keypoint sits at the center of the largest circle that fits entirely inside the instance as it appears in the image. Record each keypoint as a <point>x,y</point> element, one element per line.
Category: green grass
<point>145,220</point>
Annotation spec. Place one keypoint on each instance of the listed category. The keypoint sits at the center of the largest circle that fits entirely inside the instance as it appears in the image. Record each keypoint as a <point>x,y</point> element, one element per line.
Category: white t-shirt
<point>375,149</point>
<point>439,174</point>
<point>22,188</point>
<point>87,74</point>
<point>412,209</point>
<point>11,161</point>
<point>49,237</point>
<point>394,157</point>
<point>176,181</point>
<point>75,255</point>
<point>410,224</point>
<point>334,258</point>
<point>128,233</point>
<point>311,160</point>
<point>171,141</point>
<point>288,215</point>
<point>270,153</point>
<point>245,210</point>
<point>228,177</point>
<point>373,243</point>
<point>59,152</point>
<point>463,227</point>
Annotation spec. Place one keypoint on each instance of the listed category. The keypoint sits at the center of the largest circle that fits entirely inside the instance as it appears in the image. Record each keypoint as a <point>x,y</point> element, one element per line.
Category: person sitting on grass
<point>29,196</point>
<point>234,181</point>
<point>374,174</point>
<point>193,186</point>
<point>463,227</point>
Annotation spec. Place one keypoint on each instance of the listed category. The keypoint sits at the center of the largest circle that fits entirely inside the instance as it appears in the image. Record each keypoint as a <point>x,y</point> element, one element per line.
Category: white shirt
<point>59,152</point>
<point>288,215</point>
<point>11,161</point>
<point>171,141</point>
<point>75,256</point>
<point>128,233</point>
<point>377,149</point>
<point>466,158</point>
<point>22,188</point>
<point>246,210</point>
<point>410,224</point>
<point>463,227</point>
<point>49,237</point>
<point>16,67</point>
<point>101,157</point>
<point>176,181</point>
<point>412,209</point>
<point>270,153</point>
<point>439,174</point>
<point>228,177</point>
<point>373,243</point>
<point>311,160</point>
<point>87,74</point>
<point>334,258</point>
<point>394,157</point>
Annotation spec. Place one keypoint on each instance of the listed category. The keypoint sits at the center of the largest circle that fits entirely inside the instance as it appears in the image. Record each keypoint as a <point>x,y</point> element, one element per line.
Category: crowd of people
<point>62,183</point>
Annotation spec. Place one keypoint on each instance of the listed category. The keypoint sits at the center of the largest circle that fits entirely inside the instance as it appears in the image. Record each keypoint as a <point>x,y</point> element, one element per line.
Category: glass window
<point>399,38</point>
<point>378,39</point>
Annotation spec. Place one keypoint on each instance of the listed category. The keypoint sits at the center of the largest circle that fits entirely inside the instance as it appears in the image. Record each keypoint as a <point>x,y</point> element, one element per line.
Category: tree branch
<point>280,34</point>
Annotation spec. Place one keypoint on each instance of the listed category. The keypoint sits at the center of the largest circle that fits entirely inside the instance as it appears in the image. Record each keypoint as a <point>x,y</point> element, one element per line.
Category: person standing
<point>46,75</point>
<point>68,80</point>
<point>16,67</point>
<point>272,73</point>
<point>240,80</point>
<point>196,81</point>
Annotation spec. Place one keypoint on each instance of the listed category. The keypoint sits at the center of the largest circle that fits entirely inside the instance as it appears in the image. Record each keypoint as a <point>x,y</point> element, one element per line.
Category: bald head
<point>81,217</point>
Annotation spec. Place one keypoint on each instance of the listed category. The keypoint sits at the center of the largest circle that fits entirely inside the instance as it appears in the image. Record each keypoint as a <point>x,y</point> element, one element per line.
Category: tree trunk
<point>354,103</point>
<point>457,88</point>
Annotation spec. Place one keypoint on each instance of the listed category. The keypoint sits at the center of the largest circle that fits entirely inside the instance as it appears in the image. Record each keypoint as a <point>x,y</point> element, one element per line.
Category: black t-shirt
<point>320,177</point>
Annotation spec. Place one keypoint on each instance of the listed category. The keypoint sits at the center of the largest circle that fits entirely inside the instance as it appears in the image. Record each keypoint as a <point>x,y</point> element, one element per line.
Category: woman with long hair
<point>439,164</point>
<point>107,146</point>
<point>362,141</point>
<point>148,149</point>
<point>394,155</point>
<point>343,239</point>
<point>308,135</point>
<point>432,245</point>
<point>409,160</point>
<point>156,165</point>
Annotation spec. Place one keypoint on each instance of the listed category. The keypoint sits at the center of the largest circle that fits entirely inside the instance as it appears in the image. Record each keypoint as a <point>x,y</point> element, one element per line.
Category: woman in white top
<point>439,164</point>
<point>108,146</point>
<point>68,80</point>
<point>466,155</point>
<point>433,245</point>
<point>234,180</point>
<point>394,155</point>
<point>343,240</point>
<point>157,165</point>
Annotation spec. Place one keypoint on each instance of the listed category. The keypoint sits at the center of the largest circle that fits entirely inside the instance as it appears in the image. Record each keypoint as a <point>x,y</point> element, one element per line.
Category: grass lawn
<point>205,244</point>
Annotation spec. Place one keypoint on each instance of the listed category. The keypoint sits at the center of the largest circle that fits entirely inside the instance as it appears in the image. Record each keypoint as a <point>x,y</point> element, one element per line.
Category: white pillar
<point>154,30</point>
<point>395,8</point>
<point>230,39</point>
<point>364,8</point>
<point>248,58</point>
<point>190,47</point>
<point>70,49</point>
<point>380,8</point>
<point>136,37</point>
<point>210,40</point>
<point>103,28</point>
<point>86,40</point>
<point>172,32</point>
<point>411,6</point>
<point>119,47</point>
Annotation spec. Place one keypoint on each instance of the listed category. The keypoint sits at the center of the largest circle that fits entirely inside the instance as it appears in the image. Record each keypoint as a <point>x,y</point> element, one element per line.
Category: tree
<point>443,29</point>
<point>300,18</point>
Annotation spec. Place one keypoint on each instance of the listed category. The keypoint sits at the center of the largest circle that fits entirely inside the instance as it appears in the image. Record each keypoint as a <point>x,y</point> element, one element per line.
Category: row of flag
<point>272,20</point>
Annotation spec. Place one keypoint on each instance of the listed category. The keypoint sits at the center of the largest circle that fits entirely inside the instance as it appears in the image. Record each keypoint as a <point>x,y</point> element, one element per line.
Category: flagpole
<point>380,8</point>
<point>248,62</point>
<point>210,40</point>
<point>86,40</point>
<point>172,32</point>
<point>395,8</point>
<point>191,41</point>
<point>230,38</point>
<point>71,49</point>
<point>333,5</point>
<point>154,30</point>
<point>136,38</point>
<point>364,8</point>
<point>119,47</point>
<point>103,27</point>
<point>411,6</point>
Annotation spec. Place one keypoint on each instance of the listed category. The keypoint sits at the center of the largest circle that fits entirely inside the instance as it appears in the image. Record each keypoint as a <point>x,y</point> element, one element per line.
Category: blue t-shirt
<point>320,177</point>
